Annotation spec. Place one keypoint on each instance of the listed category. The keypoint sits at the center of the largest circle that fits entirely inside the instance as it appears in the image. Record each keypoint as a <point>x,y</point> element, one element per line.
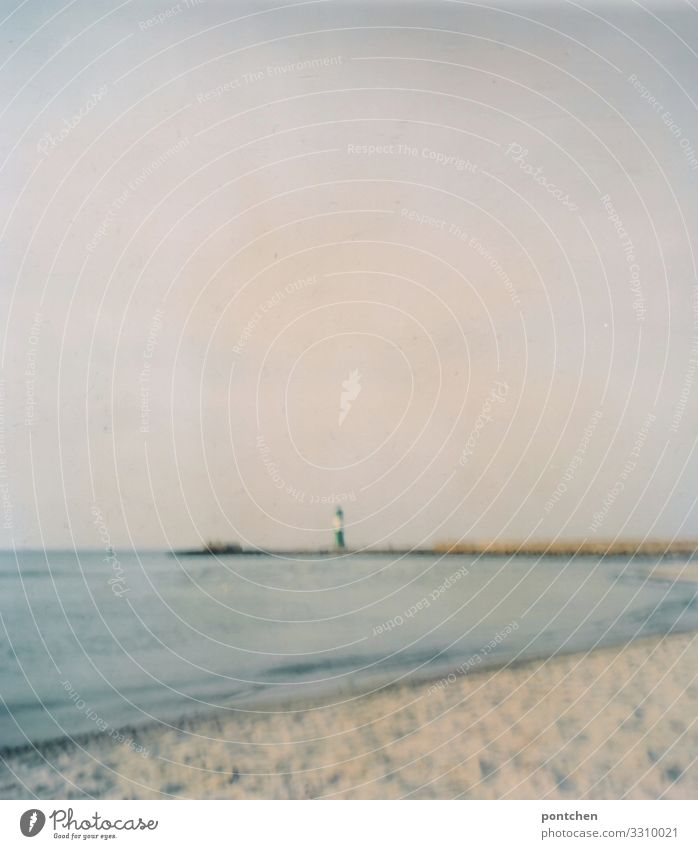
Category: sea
<point>92,641</point>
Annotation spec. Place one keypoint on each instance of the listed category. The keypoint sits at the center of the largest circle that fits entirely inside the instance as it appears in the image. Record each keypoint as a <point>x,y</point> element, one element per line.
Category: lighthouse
<point>339,529</point>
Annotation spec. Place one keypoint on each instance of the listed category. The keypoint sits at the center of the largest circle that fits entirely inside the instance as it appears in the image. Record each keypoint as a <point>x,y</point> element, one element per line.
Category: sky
<point>431,261</point>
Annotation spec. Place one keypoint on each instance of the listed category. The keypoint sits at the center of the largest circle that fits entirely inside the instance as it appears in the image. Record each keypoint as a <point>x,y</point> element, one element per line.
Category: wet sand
<point>615,723</point>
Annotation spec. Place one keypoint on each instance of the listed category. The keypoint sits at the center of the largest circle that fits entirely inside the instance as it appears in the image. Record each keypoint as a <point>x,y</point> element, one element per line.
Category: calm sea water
<point>175,638</point>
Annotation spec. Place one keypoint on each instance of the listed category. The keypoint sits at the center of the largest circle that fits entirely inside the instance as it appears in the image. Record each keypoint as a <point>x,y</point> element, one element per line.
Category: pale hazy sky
<point>477,217</point>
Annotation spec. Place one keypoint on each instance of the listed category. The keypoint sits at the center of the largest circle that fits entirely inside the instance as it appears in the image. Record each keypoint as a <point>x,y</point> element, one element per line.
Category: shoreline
<point>266,699</point>
<point>270,754</point>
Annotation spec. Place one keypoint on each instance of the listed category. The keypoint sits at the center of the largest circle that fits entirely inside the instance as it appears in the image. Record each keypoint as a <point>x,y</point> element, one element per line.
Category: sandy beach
<point>615,723</point>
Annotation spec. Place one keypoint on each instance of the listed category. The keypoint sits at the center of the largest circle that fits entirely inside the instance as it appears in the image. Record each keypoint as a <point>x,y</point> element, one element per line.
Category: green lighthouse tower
<point>339,529</point>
